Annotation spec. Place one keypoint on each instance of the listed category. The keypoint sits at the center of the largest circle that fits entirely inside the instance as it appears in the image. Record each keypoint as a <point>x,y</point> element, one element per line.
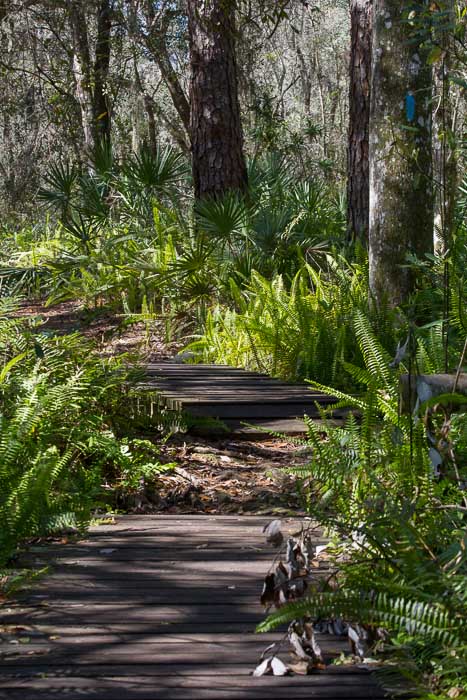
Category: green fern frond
<point>413,617</point>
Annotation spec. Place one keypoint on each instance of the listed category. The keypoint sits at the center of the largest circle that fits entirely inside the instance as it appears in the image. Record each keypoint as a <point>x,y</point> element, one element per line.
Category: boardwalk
<point>233,395</point>
<point>155,608</point>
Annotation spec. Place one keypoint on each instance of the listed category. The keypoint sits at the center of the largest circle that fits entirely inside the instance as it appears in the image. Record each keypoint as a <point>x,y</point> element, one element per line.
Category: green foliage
<point>396,518</point>
<point>299,331</point>
<point>56,430</point>
<point>128,233</point>
<point>433,621</point>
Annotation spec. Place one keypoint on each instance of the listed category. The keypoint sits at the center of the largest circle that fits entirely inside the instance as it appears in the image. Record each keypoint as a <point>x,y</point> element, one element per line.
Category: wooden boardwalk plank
<point>167,612</point>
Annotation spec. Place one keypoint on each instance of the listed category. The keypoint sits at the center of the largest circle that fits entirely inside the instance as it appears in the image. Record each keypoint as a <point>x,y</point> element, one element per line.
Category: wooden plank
<point>158,626</point>
<point>177,596</point>
<point>229,523</point>
<point>175,367</point>
<point>230,383</point>
<point>166,655</point>
<point>254,692</point>
<point>206,681</point>
<point>214,568</point>
<point>229,393</point>
<point>232,547</point>
<point>205,395</point>
<point>171,560</point>
<point>173,648</point>
<point>163,577</point>
<point>208,397</point>
<point>253,386</point>
<point>251,412</point>
<point>107,613</point>
<point>200,540</point>
<point>229,540</point>
<point>163,519</point>
<point>224,641</point>
<point>12,673</point>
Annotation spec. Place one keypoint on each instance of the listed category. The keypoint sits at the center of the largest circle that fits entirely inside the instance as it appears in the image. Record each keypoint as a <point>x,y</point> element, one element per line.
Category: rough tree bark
<point>358,176</point>
<point>82,71</point>
<point>101,106</point>
<point>445,174</point>
<point>215,125</point>
<point>91,78</point>
<point>401,193</point>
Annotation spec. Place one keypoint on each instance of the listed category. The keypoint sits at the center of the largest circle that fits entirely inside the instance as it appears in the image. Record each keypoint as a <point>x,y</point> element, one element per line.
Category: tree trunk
<point>444,151</point>
<point>101,107</point>
<point>358,176</point>
<point>91,79</point>
<point>215,125</point>
<point>82,72</point>
<point>401,193</point>
<point>156,43</point>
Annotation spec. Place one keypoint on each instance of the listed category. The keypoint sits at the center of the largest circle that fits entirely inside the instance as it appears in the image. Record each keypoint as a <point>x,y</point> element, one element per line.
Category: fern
<point>398,614</point>
<point>50,424</point>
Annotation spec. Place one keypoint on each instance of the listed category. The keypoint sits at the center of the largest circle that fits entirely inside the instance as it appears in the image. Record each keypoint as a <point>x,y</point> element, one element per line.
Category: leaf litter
<point>223,477</point>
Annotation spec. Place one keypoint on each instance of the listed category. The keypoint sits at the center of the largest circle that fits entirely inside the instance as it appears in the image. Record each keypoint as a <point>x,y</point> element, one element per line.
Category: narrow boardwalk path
<point>154,608</point>
<point>233,395</point>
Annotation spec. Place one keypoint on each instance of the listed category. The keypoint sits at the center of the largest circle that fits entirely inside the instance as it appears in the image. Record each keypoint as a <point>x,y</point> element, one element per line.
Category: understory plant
<point>294,331</point>
<point>127,234</point>
<point>58,441</point>
<point>389,485</point>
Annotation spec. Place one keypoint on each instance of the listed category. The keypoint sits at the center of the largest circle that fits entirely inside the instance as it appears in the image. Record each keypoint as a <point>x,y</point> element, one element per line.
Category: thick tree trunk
<point>358,176</point>
<point>215,125</point>
<point>91,78</point>
<point>401,193</point>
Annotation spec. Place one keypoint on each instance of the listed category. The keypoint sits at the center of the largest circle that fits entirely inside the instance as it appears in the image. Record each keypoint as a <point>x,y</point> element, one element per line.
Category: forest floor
<point>212,475</point>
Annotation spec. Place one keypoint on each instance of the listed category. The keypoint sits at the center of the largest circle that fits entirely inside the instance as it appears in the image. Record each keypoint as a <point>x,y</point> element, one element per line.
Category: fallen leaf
<point>302,667</point>
<point>278,667</point>
<point>296,643</point>
<point>268,648</point>
<point>273,533</point>
<point>268,592</point>
<point>263,668</point>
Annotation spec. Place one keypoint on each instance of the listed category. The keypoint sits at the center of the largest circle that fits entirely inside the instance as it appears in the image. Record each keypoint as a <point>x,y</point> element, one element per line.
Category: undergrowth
<point>390,489</point>
<point>60,408</point>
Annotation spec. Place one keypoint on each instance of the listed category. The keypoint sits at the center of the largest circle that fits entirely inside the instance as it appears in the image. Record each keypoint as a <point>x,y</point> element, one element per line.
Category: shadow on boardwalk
<point>155,607</point>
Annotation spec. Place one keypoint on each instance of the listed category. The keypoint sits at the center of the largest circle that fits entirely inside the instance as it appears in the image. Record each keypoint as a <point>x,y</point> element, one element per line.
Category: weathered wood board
<point>155,608</point>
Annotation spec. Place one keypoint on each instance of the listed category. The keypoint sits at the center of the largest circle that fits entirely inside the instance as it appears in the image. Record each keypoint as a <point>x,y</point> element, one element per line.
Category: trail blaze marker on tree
<point>410,107</point>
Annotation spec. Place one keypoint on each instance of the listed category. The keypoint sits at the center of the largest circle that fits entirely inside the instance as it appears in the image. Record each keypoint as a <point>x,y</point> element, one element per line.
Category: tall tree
<point>358,176</point>
<point>91,77</point>
<point>215,124</point>
<point>101,104</point>
<point>444,124</point>
<point>401,193</point>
